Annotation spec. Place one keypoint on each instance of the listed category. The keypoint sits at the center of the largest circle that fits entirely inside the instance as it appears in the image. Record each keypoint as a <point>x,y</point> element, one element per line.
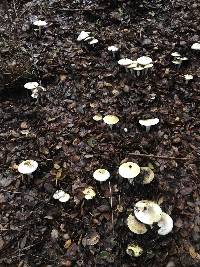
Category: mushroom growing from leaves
<point>125,62</point>
<point>61,196</point>
<point>143,61</point>
<point>148,175</point>
<point>148,123</point>
<point>40,24</point>
<point>165,224</point>
<point>111,120</point>
<point>188,77</point>
<point>113,49</point>
<point>178,59</point>
<point>89,193</point>
<point>97,117</point>
<point>35,88</point>
<point>195,46</point>
<point>135,226</point>
<point>129,170</point>
<point>147,212</point>
<point>134,250</point>
<point>101,175</point>
<point>27,166</point>
<point>83,35</point>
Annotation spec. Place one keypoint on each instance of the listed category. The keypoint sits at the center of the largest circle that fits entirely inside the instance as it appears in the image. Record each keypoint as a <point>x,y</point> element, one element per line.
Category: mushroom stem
<point>148,129</point>
<point>40,30</point>
<point>111,205</point>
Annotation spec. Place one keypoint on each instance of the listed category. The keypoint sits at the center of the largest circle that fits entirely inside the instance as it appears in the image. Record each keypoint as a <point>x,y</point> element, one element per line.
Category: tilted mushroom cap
<point>188,76</point>
<point>134,250</point>
<point>94,41</point>
<point>147,212</point>
<point>165,224</point>
<point>195,46</point>
<point>31,85</point>
<point>149,122</point>
<point>83,35</point>
<point>176,54</point>
<point>129,170</point>
<point>89,192</point>
<point>132,65</point>
<point>111,119</point>
<point>125,61</point>
<point>61,196</point>
<point>40,23</point>
<point>135,226</point>
<point>27,166</point>
<point>144,60</point>
<point>177,61</point>
<point>101,175</point>
<point>148,175</point>
<point>184,58</point>
<point>138,68</point>
<point>97,117</point>
<point>113,48</point>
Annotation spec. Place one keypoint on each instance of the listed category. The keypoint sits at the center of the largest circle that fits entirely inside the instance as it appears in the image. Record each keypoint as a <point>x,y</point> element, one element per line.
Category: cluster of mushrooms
<point>35,88</point>
<point>86,37</point>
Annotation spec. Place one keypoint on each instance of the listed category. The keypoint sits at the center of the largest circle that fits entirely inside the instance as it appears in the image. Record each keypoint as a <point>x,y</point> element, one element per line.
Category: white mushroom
<point>138,70</point>
<point>148,175</point>
<point>147,212</point>
<point>125,62</point>
<point>31,85</point>
<point>135,226</point>
<point>176,54</point>
<point>134,250</point>
<point>129,170</point>
<point>188,77</point>
<point>61,196</point>
<point>144,60</point>
<point>113,49</point>
<point>97,117</point>
<point>195,46</point>
<point>94,41</point>
<point>165,224</point>
<point>148,123</point>
<point>83,35</point>
<point>110,119</point>
<point>101,175</point>
<point>27,166</point>
<point>40,24</point>
<point>89,193</point>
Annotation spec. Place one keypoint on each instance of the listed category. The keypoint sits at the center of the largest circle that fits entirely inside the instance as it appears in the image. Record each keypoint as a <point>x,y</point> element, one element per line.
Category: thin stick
<point>82,9</point>
<point>159,157</point>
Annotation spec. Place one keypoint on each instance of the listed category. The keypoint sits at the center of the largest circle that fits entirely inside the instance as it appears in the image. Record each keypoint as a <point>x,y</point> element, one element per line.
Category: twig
<point>82,9</point>
<point>159,157</point>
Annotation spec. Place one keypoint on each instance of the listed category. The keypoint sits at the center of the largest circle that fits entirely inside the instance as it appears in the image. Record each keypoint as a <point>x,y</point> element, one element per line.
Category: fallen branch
<point>81,9</point>
<point>160,157</point>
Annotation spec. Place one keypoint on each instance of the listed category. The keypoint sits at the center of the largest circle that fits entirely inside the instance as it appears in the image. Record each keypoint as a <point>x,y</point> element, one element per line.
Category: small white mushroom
<point>125,62</point>
<point>195,46</point>
<point>97,117</point>
<point>61,196</point>
<point>111,119</point>
<point>144,61</point>
<point>40,24</point>
<point>148,175</point>
<point>94,41</point>
<point>31,85</point>
<point>113,49</point>
<point>135,226</point>
<point>177,61</point>
<point>176,54</point>
<point>101,175</point>
<point>89,193</point>
<point>188,77</point>
<point>134,250</point>
<point>129,170</point>
<point>147,212</point>
<point>165,224</point>
<point>27,166</point>
<point>148,123</point>
<point>83,35</point>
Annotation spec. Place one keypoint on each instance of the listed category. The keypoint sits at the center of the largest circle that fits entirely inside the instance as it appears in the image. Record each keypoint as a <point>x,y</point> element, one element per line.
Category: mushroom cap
<point>184,58</point>
<point>94,41</point>
<point>83,35</point>
<point>113,48</point>
<point>195,46</point>
<point>144,60</point>
<point>89,192</point>
<point>147,212</point>
<point>138,68</point>
<point>188,76</point>
<point>177,61</point>
<point>148,66</point>
<point>97,117</point>
<point>110,119</point>
<point>40,23</point>
<point>27,166</point>
<point>134,250</point>
<point>135,226</point>
<point>148,175</point>
<point>129,170</point>
<point>132,65</point>
<point>125,62</point>
<point>31,85</point>
<point>149,122</point>
<point>165,224</point>
<point>176,54</point>
<point>61,196</point>
<point>101,175</point>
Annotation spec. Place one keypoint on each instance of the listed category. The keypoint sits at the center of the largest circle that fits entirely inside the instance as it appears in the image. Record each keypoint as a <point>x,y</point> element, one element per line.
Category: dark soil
<point>69,145</point>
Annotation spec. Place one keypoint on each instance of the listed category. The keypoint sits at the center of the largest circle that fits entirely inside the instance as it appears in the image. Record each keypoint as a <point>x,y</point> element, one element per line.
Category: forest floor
<point>59,132</point>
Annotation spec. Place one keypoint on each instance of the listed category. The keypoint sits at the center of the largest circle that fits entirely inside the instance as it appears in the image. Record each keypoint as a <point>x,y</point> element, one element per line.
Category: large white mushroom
<point>195,46</point>
<point>31,85</point>
<point>148,123</point>
<point>129,170</point>
<point>147,212</point>
<point>125,62</point>
<point>27,166</point>
<point>101,175</point>
<point>144,60</point>
<point>135,226</point>
<point>110,119</point>
<point>165,224</point>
